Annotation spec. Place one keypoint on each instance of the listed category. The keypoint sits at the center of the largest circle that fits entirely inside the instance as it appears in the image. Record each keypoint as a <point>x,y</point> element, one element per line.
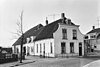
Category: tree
<point>21,26</point>
<point>19,33</point>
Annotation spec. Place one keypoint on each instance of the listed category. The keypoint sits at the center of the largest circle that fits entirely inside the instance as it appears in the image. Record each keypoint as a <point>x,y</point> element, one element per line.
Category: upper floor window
<point>74,34</point>
<point>64,33</point>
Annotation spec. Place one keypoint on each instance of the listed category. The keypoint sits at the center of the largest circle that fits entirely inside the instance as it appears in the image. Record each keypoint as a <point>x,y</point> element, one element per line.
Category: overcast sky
<point>81,12</point>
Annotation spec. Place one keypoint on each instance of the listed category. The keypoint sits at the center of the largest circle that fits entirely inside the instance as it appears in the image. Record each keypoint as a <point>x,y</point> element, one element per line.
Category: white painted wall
<point>47,47</point>
<point>58,39</point>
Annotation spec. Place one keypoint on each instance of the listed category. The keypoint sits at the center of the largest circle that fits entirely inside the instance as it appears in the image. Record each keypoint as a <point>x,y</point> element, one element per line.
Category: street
<point>55,62</point>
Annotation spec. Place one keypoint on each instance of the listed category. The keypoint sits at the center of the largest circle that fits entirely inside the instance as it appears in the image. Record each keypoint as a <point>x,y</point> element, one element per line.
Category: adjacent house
<point>92,40</point>
<point>61,37</point>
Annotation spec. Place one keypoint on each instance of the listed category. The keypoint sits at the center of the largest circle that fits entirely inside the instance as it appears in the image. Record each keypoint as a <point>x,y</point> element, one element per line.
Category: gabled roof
<point>43,32</point>
<point>97,30</point>
<point>31,32</point>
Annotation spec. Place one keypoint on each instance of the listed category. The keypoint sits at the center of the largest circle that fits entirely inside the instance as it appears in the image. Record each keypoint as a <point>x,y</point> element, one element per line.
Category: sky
<point>82,12</point>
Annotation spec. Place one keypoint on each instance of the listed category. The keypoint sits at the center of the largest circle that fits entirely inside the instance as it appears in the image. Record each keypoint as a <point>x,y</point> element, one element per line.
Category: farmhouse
<point>61,37</point>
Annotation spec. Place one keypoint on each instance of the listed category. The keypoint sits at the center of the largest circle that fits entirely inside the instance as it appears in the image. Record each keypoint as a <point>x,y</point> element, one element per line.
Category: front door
<point>24,50</point>
<point>80,49</point>
<point>63,48</point>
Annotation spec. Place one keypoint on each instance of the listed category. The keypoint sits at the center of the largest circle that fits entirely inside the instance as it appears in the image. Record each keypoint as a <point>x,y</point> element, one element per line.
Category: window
<point>40,48</point>
<point>37,48</point>
<point>32,49</point>
<point>17,50</point>
<point>64,33</point>
<point>63,48</point>
<point>71,47</point>
<point>51,47</point>
<point>74,34</point>
<point>44,48</point>
<point>93,36</point>
<point>95,46</point>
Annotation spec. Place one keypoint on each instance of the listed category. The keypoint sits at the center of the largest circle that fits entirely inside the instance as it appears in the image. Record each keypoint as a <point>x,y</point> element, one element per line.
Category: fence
<point>4,58</point>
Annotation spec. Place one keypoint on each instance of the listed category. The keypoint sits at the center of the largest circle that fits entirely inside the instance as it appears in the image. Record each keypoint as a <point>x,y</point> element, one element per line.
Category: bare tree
<point>19,33</point>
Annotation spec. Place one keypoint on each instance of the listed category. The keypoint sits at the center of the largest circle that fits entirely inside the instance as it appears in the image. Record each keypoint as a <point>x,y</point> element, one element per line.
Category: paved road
<point>60,62</point>
<point>55,62</point>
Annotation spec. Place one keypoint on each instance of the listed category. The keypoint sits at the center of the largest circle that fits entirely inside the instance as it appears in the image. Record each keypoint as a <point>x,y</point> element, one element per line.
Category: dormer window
<point>31,38</point>
<point>28,39</point>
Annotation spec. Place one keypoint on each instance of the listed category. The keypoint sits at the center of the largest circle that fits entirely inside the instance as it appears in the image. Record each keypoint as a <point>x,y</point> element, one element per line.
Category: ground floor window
<point>71,47</point>
<point>51,47</point>
<point>63,48</point>
<point>37,48</point>
<point>32,49</point>
<point>17,50</point>
<point>40,48</point>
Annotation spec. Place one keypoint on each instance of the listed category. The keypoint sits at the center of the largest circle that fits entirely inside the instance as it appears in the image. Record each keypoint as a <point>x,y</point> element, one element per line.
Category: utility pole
<point>22,37</point>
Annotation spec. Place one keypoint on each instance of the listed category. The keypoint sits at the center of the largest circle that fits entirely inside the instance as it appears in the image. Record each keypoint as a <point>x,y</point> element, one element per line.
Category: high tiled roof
<point>97,30</point>
<point>31,32</point>
<point>49,29</point>
<point>44,32</point>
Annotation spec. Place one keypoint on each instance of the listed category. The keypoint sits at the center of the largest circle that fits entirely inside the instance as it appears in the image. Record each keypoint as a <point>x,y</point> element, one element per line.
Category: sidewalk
<point>28,59</point>
<point>93,64</point>
<point>17,63</point>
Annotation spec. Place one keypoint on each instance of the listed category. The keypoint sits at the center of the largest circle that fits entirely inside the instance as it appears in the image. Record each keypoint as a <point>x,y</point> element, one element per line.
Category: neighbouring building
<point>92,40</point>
<point>6,50</point>
<point>61,37</point>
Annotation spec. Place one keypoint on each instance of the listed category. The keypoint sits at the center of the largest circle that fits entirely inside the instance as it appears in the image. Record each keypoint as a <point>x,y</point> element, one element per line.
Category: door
<point>24,50</point>
<point>80,49</point>
<point>63,48</point>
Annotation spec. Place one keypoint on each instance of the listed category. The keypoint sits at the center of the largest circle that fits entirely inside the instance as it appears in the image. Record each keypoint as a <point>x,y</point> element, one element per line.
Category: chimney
<point>63,18</point>
<point>93,27</point>
<point>46,21</point>
<point>69,21</point>
<point>62,15</point>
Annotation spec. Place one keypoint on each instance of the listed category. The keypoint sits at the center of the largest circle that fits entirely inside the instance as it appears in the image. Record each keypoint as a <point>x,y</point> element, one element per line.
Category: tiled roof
<point>44,32</point>
<point>49,29</point>
<point>31,32</point>
<point>97,30</point>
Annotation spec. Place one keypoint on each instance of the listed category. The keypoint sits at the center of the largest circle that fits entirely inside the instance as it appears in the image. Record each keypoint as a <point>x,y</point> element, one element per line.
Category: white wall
<point>47,47</point>
<point>58,39</point>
